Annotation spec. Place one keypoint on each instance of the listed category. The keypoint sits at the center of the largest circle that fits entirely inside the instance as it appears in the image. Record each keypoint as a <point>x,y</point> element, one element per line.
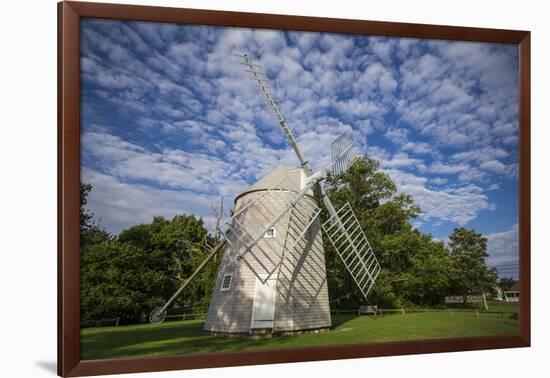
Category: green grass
<point>185,337</point>
<point>501,306</point>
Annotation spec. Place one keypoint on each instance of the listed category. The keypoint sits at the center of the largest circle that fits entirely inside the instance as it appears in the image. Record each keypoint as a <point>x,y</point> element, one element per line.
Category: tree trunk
<point>484,301</point>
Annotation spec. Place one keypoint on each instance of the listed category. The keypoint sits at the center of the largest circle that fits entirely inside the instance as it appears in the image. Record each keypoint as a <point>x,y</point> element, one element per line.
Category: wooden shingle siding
<point>301,301</point>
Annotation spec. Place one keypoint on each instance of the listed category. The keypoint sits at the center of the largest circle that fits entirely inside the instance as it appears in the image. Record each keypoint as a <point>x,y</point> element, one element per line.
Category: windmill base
<point>267,333</point>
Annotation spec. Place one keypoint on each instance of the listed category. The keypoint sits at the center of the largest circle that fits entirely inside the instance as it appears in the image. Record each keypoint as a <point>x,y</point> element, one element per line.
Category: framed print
<point>239,188</point>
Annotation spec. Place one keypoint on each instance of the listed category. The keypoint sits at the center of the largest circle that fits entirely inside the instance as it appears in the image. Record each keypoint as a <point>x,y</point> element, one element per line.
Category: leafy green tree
<point>506,283</point>
<point>174,248</point>
<point>115,282</point>
<point>362,185</point>
<point>128,275</point>
<point>469,270</point>
<point>414,266</point>
<point>90,232</point>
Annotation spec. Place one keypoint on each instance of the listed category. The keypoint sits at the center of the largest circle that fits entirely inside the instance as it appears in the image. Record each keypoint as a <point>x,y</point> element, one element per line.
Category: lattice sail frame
<point>247,227</point>
<point>341,151</point>
<point>264,86</point>
<point>347,236</point>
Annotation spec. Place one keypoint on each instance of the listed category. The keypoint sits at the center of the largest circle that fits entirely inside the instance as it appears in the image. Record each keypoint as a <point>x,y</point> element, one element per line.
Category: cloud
<point>402,159</point>
<point>442,168</point>
<point>179,115</point>
<point>493,166</point>
<point>118,205</point>
<point>439,181</point>
<point>176,169</point>
<point>377,77</point>
<point>503,248</point>
<point>450,95</point>
<point>481,155</point>
<point>458,205</point>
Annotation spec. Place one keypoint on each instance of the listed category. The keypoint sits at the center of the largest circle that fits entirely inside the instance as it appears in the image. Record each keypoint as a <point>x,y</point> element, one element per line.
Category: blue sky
<point>170,121</point>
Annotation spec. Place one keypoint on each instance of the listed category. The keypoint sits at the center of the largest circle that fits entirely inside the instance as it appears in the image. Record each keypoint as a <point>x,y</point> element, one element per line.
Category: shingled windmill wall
<point>301,298</point>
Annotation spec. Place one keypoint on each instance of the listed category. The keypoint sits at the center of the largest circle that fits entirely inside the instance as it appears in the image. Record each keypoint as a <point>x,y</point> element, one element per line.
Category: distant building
<point>499,294</point>
<point>460,299</point>
<point>512,294</point>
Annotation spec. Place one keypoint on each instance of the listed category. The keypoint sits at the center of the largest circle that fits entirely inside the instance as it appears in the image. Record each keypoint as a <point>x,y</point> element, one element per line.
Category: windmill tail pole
<point>292,140</point>
<point>218,247</point>
<point>327,203</point>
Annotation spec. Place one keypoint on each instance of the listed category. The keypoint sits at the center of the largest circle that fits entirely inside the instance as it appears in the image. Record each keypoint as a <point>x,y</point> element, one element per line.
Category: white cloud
<point>481,155</point>
<point>439,181</point>
<point>397,135</point>
<point>119,205</point>
<point>402,159</point>
<point>503,248</point>
<point>199,124</point>
<point>458,205</point>
<point>377,77</point>
<point>174,168</point>
<point>442,168</point>
<point>493,166</point>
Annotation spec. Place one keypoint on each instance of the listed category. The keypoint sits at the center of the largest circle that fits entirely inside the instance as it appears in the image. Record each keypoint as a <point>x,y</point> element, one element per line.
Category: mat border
<point>69,15</point>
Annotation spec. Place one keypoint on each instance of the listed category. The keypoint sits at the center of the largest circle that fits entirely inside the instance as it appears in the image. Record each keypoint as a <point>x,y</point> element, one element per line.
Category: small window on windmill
<point>270,233</point>
<point>226,282</point>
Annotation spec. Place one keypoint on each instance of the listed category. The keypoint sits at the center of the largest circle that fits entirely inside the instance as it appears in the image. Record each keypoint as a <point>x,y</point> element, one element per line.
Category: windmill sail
<point>302,246</point>
<point>302,257</point>
<point>340,150</point>
<point>342,227</point>
<point>348,239</point>
<point>272,102</point>
<point>253,220</point>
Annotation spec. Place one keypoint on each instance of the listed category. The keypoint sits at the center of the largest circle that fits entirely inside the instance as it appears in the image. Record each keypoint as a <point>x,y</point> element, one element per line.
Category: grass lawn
<point>501,306</point>
<point>184,337</point>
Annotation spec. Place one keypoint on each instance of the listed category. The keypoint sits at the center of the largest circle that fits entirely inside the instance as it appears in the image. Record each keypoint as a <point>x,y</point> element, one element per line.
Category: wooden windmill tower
<point>272,278</point>
<point>280,284</point>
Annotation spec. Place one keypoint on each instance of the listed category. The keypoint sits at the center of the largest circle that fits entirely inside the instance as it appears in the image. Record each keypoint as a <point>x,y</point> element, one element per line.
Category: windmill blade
<point>264,86</point>
<point>342,227</point>
<point>255,217</point>
<point>347,236</point>
<point>303,257</point>
<point>302,275</point>
<point>341,150</point>
<point>255,70</point>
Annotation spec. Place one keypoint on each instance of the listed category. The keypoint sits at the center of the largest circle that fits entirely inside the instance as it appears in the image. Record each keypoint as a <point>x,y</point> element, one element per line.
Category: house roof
<point>284,177</point>
<point>515,286</point>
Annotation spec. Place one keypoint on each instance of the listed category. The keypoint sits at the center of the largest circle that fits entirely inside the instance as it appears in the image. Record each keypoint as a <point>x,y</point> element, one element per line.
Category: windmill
<point>272,277</point>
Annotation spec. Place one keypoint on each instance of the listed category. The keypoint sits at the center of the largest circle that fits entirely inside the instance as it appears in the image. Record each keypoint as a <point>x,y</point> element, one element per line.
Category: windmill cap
<point>286,178</point>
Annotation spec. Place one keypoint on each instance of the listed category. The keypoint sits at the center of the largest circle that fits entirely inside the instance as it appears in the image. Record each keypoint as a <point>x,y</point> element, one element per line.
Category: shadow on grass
<point>187,337</point>
<point>175,337</point>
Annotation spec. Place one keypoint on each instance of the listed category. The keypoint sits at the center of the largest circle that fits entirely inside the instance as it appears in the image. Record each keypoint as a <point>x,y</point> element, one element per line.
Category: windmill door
<point>263,311</point>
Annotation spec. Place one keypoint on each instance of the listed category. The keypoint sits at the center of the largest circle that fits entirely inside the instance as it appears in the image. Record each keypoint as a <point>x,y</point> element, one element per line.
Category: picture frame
<point>69,17</point>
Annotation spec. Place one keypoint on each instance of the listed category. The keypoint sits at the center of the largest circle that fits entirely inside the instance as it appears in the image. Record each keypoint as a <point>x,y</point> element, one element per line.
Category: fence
<point>100,323</point>
<point>403,311</point>
<point>187,316</point>
<point>116,321</point>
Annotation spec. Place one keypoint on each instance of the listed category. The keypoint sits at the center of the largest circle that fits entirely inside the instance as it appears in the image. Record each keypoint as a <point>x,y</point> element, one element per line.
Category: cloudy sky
<point>171,122</point>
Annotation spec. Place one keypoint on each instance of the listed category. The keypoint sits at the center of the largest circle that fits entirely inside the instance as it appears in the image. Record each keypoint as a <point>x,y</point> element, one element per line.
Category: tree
<point>128,275</point>
<point>174,248</point>
<point>115,282</point>
<point>90,232</point>
<point>362,184</point>
<point>414,266</point>
<point>506,283</point>
<point>469,270</point>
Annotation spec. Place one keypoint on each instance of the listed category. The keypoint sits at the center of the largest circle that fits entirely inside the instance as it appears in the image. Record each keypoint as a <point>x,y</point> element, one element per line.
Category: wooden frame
<point>69,14</point>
